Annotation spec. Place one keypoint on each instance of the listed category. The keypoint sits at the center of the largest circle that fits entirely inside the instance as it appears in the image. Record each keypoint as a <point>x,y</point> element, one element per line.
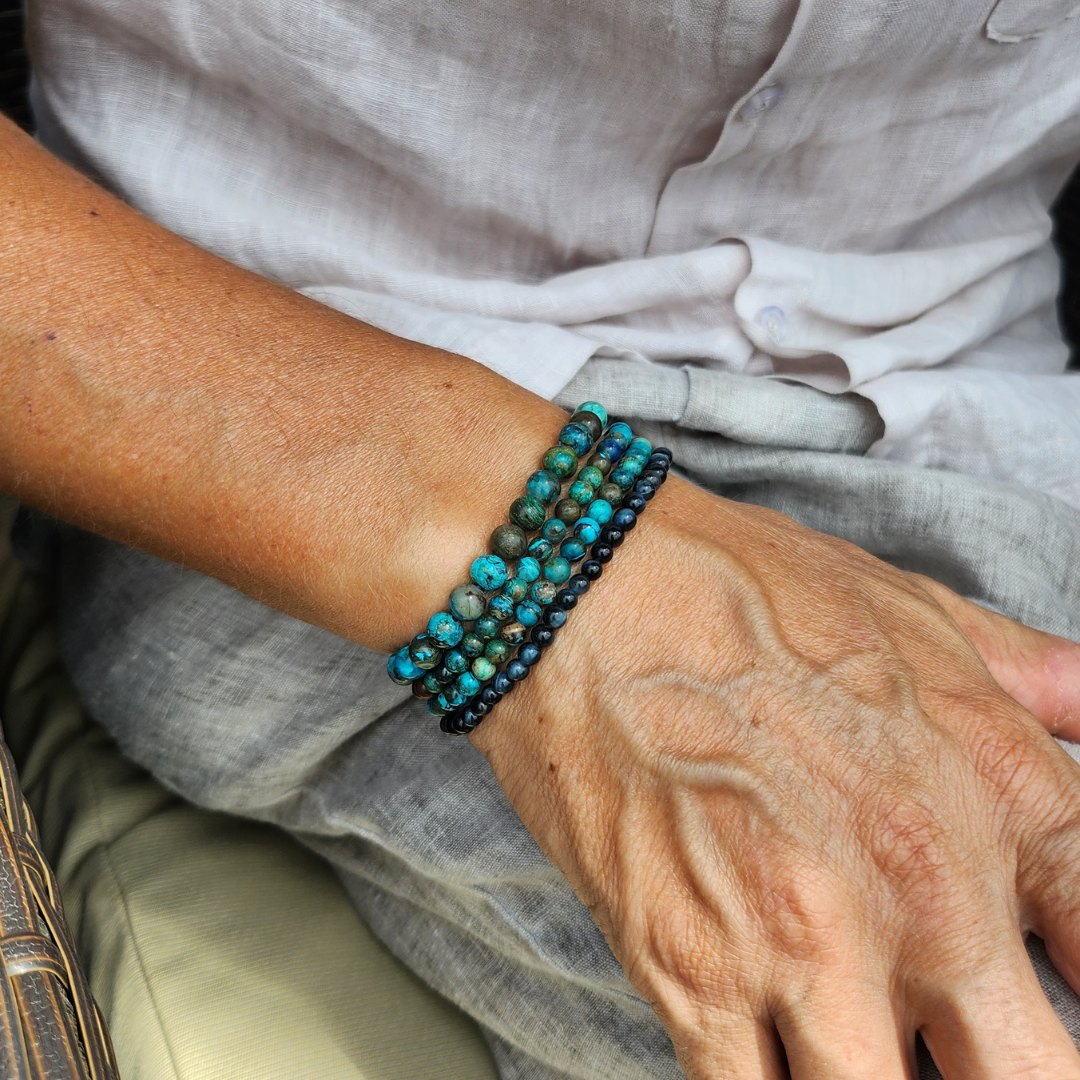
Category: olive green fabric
<point>218,949</point>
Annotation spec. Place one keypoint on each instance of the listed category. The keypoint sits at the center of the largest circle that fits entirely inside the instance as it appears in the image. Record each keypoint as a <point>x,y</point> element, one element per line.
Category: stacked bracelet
<point>465,662</point>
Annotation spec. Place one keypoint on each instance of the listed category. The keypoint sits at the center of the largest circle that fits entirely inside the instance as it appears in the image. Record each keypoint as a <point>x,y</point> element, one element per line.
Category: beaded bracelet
<point>457,669</point>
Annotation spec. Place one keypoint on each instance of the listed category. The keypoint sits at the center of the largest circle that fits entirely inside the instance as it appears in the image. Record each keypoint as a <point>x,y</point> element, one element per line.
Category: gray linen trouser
<point>244,709</point>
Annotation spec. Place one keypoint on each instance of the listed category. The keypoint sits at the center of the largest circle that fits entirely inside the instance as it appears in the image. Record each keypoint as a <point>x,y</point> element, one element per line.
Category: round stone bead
<point>529,653</point>
<point>560,460</point>
<point>654,476</point>
<point>600,463</point>
<point>513,633</point>
<point>420,690</point>
<point>528,613</point>
<point>567,511</point>
<point>444,629</point>
<point>443,676</point>
<point>609,493</point>
<point>517,589</point>
<point>659,461</point>
<point>623,479</point>
<point>620,431</point>
<point>483,669</point>
<point>451,698</point>
<point>543,485</point>
<point>468,684</point>
<point>556,570</point>
<point>528,569</point>
<point>516,670</point>
<point>634,502</point>
<point>490,696</point>
<point>401,669</point>
<point>479,707</point>
<point>471,645</point>
<point>542,636</point>
<point>590,421</point>
<point>572,550</point>
<point>587,529</point>
<point>435,708</point>
<point>591,475</point>
<point>602,552</point>
<point>596,409</point>
<point>600,511</point>
<point>567,599</point>
<point>641,447</point>
<point>456,661</point>
<point>665,451</point>
<point>579,584</point>
<point>644,489</point>
<point>542,592</point>
<point>486,627</point>
<point>581,493</point>
<point>541,549</point>
<point>497,651</point>
<point>489,572</point>
<point>502,684</point>
<point>554,617</point>
<point>424,653</point>
<point>577,437</point>
<point>527,512</point>
<point>592,569</point>
<point>509,541</point>
<point>554,530</point>
<point>501,606</point>
<point>433,683</point>
<point>610,448</point>
<point>611,535</point>
<point>631,465</point>
<point>624,519</point>
<point>467,602</point>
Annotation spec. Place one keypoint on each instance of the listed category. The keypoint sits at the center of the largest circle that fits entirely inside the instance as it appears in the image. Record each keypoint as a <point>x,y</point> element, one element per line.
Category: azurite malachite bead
<point>560,460</point>
<point>610,493</point>
<point>600,463</point>
<point>483,669</point>
<point>610,448</point>
<point>581,493</point>
<point>591,475</point>
<point>486,627</point>
<point>513,633</point>
<point>401,669</point>
<point>489,572</point>
<point>501,606</point>
<point>497,651</point>
<point>517,589</point>
<point>471,645</point>
<point>590,421</point>
<point>468,684</point>
<point>527,512</point>
<point>567,510</point>
<point>445,630</point>
<point>433,684</point>
<point>540,549</point>
<point>528,569</point>
<point>554,530</point>
<point>467,602</point>
<point>587,530</point>
<point>600,511</point>
<point>596,409</point>
<point>543,485</point>
<point>641,447</point>
<point>623,479</point>
<point>577,437</point>
<point>543,592</point>
<point>620,431</point>
<point>509,541</point>
<point>528,613</point>
<point>556,570</point>
<point>572,549</point>
<point>424,653</point>
<point>456,661</point>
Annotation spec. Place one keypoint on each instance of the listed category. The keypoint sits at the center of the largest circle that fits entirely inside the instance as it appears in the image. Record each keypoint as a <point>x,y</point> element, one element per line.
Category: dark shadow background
<point>14,77</point>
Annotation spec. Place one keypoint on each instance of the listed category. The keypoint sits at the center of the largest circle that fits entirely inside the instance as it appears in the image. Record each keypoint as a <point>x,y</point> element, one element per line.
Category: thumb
<point>1039,671</point>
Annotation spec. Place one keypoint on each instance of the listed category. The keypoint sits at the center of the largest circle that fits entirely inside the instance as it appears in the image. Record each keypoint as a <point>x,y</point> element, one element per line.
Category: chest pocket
<point>1019,20</point>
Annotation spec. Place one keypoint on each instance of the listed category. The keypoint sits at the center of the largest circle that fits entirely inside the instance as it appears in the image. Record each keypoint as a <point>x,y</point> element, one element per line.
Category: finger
<point>844,1029</point>
<point>995,1023</point>
<point>1040,671</point>
<point>722,1048</point>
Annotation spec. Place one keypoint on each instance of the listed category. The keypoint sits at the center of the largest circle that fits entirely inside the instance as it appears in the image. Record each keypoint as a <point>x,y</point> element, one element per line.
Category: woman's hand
<point>805,815</point>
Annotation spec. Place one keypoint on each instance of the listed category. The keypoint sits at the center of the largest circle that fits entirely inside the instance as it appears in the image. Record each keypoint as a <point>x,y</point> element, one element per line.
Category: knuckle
<point>805,914</point>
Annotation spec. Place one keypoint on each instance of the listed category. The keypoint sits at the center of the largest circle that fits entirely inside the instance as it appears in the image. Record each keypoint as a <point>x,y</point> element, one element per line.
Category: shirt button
<point>774,322</point>
<point>761,102</point>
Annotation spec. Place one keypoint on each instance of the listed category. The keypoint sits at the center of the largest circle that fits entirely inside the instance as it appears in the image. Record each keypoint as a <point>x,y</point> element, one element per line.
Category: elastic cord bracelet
<point>473,654</point>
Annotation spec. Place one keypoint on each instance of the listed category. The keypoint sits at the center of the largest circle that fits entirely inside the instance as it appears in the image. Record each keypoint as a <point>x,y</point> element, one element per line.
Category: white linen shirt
<point>850,193</point>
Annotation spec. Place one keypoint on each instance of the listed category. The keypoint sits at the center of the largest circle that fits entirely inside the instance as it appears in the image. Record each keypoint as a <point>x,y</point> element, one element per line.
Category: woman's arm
<point>774,767</point>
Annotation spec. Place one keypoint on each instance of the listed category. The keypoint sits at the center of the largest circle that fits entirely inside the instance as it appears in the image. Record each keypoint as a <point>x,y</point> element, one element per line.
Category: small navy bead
<point>578,584</point>
<point>444,724</point>
<point>470,718</point>
<point>516,670</point>
<point>443,675</point>
<point>529,653</point>
<point>624,519</point>
<point>502,683</point>
<point>555,617</point>
<point>591,569</point>
<point>611,536</point>
<point>490,696</point>
<point>567,599</point>
<point>634,502</point>
<point>654,477</point>
<point>542,636</point>
<point>602,552</point>
<point>481,708</point>
<point>663,450</point>
<point>643,487</point>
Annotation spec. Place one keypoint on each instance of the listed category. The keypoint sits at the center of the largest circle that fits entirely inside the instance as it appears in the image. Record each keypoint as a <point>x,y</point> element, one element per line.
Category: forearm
<point>163,397</point>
